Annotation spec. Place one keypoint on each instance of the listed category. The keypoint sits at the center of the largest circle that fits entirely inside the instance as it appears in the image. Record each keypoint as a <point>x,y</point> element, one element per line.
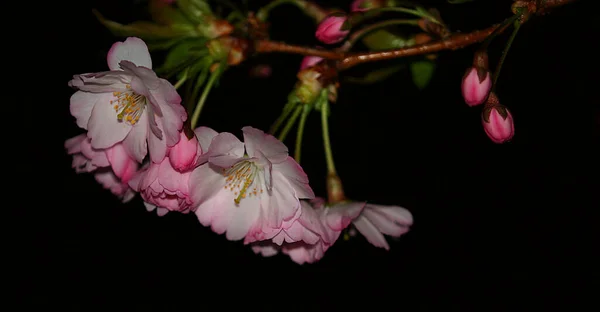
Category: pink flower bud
<point>475,90</point>
<point>184,154</point>
<point>332,29</point>
<point>498,123</point>
<point>309,61</point>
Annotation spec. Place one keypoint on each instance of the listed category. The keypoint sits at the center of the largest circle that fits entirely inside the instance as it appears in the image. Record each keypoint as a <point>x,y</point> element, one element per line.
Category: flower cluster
<point>138,141</point>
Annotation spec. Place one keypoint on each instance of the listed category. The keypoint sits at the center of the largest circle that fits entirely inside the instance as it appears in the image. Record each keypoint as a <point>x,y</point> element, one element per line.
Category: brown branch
<point>452,43</point>
<point>455,41</point>
<point>267,46</point>
<point>544,6</point>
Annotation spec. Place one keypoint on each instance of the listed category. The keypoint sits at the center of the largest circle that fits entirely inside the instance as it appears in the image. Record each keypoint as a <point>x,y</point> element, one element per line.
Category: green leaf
<point>422,72</point>
<point>166,14</point>
<point>195,10</point>
<point>146,30</point>
<point>377,75</point>
<point>183,53</point>
<point>384,40</point>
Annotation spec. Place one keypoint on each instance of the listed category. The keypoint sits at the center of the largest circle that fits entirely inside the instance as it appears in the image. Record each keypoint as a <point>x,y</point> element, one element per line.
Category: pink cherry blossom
<point>498,128</point>
<point>248,185</point>
<point>112,167</point>
<point>165,188</point>
<point>330,29</point>
<point>317,229</point>
<point>474,90</point>
<point>309,61</point>
<point>377,220</point>
<point>128,104</point>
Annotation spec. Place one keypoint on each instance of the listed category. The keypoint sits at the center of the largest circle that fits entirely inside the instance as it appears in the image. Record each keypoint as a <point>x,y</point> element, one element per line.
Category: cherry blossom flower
<point>317,229</point>
<point>248,187</point>
<point>377,220</point>
<point>128,104</point>
<point>112,167</point>
<point>161,185</point>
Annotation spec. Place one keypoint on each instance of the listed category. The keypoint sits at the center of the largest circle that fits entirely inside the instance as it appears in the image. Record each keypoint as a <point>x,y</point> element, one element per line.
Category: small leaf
<point>377,75</point>
<point>383,40</point>
<point>422,72</point>
<point>181,54</point>
<point>146,30</point>
<point>195,10</point>
<point>164,13</point>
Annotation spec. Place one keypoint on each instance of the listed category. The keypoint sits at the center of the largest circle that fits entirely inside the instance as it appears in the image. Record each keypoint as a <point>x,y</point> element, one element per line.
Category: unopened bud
<point>333,29</point>
<point>497,121</point>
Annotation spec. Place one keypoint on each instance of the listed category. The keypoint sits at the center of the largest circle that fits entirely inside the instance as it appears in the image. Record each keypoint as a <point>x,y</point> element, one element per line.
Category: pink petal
<point>136,141</point>
<point>383,224</point>
<point>310,219</point>
<point>122,164</point>
<point>208,209</point>
<point>242,217</point>
<point>397,214</point>
<point>266,250</point>
<point>204,183</point>
<point>225,150</point>
<point>136,181</point>
<point>173,113</point>
<point>296,177</point>
<point>173,180</point>
<point>73,145</point>
<point>284,203</point>
<point>104,82</point>
<point>257,140</point>
<point>340,215</point>
<point>156,146</point>
<point>104,129</point>
<point>205,136</point>
<point>82,104</point>
<point>370,232</point>
<point>132,49</point>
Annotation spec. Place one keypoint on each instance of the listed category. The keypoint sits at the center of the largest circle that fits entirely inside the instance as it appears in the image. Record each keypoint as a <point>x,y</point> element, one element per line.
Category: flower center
<point>241,179</point>
<point>128,105</point>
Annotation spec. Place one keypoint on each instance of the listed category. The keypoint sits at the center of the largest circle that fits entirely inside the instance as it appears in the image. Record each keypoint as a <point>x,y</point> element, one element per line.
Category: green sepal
<point>422,72</point>
<point>166,14</point>
<point>384,40</point>
<point>146,30</point>
<point>195,10</point>
<point>376,75</point>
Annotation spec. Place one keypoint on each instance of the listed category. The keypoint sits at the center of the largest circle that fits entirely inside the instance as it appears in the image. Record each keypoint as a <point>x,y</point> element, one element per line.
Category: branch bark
<point>455,41</point>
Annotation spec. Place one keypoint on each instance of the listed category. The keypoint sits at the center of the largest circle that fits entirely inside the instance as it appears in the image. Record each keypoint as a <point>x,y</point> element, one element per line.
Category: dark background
<point>496,226</point>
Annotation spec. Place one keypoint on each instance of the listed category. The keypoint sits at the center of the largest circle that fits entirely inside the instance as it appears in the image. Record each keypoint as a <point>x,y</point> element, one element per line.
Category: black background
<point>496,226</point>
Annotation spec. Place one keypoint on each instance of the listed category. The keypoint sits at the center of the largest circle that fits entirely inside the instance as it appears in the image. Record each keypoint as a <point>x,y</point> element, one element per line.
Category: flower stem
<point>505,52</point>
<point>498,30</point>
<point>326,141</point>
<point>181,81</point>
<point>198,109</point>
<point>298,150</point>
<point>309,8</point>
<point>423,14</point>
<point>366,30</point>
<point>290,123</point>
